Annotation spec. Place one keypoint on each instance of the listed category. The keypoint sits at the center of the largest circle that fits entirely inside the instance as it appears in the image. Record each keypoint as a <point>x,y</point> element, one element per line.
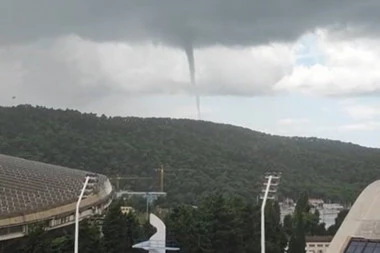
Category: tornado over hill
<point>190,59</point>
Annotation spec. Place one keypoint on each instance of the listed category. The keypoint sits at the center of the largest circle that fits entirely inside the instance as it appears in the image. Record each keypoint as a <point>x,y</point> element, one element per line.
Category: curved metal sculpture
<point>157,242</point>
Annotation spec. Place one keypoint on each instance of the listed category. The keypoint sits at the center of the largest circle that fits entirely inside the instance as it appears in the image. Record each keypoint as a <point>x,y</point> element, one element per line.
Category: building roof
<point>362,221</point>
<point>29,186</point>
<point>319,238</point>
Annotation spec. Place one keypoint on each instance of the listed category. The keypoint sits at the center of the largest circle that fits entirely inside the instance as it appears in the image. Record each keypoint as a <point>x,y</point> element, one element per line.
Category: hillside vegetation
<point>200,156</point>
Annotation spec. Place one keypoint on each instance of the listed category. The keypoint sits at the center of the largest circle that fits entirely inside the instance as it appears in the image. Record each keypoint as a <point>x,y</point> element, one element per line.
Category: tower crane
<point>162,170</point>
<point>117,179</point>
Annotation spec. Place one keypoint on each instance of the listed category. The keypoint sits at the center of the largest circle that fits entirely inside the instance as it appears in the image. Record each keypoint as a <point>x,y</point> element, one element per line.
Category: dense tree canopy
<point>221,223</point>
<point>297,242</point>
<point>225,224</point>
<point>217,156</point>
<point>117,234</point>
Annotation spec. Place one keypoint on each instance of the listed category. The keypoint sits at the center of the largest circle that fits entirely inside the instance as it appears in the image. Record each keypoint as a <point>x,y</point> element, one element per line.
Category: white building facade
<point>317,244</point>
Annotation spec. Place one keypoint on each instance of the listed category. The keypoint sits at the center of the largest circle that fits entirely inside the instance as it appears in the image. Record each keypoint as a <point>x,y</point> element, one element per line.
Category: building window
<point>363,246</point>
<point>11,230</point>
<point>16,229</point>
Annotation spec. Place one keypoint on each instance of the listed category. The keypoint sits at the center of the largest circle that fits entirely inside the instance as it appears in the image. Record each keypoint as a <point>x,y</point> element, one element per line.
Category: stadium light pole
<point>263,214</point>
<point>271,184</point>
<point>86,184</point>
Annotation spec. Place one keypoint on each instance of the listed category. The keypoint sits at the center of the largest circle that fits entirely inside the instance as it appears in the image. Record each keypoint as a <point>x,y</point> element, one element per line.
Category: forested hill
<point>216,156</point>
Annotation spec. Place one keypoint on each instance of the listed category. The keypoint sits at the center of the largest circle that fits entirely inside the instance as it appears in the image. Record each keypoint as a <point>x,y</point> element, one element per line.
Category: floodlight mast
<point>92,177</point>
<point>271,184</point>
<point>263,214</point>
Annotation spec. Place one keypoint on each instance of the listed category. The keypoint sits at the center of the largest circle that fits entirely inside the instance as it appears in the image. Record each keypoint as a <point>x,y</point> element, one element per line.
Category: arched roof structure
<point>360,230</point>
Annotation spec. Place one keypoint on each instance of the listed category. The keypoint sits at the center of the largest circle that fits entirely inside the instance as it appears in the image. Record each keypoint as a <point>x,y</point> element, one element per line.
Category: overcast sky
<point>289,67</point>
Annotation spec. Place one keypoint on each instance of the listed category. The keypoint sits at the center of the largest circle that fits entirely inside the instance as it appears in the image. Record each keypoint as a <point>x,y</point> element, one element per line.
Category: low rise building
<point>317,244</point>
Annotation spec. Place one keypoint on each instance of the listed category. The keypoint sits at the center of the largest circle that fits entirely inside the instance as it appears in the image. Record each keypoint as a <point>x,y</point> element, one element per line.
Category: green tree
<point>311,223</point>
<point>315,227</point>
<point>215,226</point>
<point>62,244</point>
<point>297,243</point>
<point>221,224</point>
<point>184,226</point>
<point>89,238</point>
<point>302,205</point>
<point>288,225</point>
<point>37,240</point>
<point>115,230</point>
<point>218,156</point>
<point>338,221</point>
<point>275,234</point>
<point>251,232</point>
<point>134,230</point>
<point>224,223</point>
<point>147,230</point>
<point>120,231</point>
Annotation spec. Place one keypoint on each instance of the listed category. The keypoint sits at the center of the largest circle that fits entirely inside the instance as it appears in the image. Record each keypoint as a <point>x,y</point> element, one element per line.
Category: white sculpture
<point>157,242</point>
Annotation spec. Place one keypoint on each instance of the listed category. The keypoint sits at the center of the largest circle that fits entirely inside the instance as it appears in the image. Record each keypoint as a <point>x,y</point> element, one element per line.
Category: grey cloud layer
<point>45,78</point>
<point>205,22</point>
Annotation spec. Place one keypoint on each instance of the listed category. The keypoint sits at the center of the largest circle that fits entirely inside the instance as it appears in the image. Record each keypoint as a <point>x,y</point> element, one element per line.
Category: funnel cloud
<point>190,58</point>
<point>93,48</point>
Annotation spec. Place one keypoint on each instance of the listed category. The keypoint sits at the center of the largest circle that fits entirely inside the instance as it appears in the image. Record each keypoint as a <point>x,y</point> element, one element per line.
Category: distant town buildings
<point>328,211</point>
<point>316,203</point>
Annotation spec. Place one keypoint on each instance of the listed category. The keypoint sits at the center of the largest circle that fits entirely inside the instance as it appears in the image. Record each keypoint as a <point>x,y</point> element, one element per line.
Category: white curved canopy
<point>362,221</point>
<point>157,242</point>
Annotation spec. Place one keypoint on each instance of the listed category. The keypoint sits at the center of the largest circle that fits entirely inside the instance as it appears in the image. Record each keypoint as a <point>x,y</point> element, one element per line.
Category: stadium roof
<point>360,230</point>
<point>29,186</point>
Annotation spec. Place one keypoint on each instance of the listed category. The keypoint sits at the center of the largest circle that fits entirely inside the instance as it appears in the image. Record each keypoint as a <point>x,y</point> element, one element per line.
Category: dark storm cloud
<point>37,75</point>
<point>205,22</point>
